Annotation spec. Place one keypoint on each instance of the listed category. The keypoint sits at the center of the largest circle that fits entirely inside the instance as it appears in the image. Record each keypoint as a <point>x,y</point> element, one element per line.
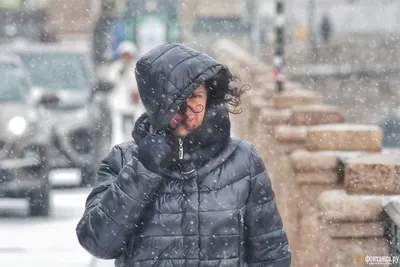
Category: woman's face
<point>191,117</point>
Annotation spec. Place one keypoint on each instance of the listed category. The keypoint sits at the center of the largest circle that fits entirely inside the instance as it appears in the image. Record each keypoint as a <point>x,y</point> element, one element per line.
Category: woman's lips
<point>181,120</point>
<point>176,122</point>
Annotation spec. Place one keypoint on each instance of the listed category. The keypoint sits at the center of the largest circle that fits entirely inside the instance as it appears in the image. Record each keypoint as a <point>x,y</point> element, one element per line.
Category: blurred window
<point>218,25</point>
<point>56,70</point>
<point>10,4</point>
<point>13,84</point>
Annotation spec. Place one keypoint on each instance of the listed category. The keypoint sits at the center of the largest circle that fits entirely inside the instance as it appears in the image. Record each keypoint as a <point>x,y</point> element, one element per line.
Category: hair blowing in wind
<point>183,112</point>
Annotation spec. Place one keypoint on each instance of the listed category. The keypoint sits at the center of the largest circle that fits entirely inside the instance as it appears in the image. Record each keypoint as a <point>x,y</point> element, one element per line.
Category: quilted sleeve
<point>114,206</point>
<point>266,243</point>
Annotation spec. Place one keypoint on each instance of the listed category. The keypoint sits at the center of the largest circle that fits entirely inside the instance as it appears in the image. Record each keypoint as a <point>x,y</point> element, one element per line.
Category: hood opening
<point>167,76</point>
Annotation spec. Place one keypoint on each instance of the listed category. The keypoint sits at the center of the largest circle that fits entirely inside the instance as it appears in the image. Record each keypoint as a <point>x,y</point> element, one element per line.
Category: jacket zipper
<point>180,148</point>
<point>181,156</point>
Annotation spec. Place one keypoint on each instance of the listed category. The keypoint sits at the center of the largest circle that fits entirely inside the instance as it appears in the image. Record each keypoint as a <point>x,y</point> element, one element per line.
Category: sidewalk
<point>101,263</point>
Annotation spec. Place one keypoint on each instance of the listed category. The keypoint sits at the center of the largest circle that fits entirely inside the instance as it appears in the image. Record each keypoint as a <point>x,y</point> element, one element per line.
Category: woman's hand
<point>154,152</point>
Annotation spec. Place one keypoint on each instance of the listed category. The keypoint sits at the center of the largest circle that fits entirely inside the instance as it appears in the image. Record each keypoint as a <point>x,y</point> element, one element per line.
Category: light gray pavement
<point>44,242</point>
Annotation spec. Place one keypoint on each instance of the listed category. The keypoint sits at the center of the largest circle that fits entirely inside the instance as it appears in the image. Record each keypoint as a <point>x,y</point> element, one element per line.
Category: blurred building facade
<point>357,68</point>
<point>348,16</point>
<point>362,33</point>
<point>73,16</point>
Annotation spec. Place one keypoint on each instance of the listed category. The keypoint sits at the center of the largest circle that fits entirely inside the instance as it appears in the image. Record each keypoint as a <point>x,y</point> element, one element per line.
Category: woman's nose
<point>189,109</point>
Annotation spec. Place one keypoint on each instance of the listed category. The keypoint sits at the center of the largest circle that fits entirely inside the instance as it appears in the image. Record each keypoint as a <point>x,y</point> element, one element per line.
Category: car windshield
<point>56,70</point>
<point>12,84</point>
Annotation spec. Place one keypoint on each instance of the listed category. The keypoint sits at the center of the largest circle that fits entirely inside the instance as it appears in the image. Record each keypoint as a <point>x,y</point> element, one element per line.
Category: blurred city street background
<point>63,102</point>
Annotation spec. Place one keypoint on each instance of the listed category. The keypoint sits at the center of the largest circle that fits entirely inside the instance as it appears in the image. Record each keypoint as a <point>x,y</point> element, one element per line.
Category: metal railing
<point>392,228</point>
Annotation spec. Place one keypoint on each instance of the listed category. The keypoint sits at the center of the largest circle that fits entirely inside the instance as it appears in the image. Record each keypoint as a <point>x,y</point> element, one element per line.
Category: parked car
<point>76,108</point>
<point>391,131</point>
<point>23,140</point>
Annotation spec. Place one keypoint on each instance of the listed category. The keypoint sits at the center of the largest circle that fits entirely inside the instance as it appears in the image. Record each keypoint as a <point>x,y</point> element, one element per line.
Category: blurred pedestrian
<point>124,100</point>
<point>184,192</point>
<point>122,69</point>
<point>118,33</point>
<point>326,28</point>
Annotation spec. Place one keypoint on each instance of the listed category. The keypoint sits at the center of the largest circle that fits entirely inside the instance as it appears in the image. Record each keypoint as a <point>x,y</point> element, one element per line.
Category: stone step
<point>316,114</point>
<point>378,173</point>
<point>291,98</point>
<point>345,137</point>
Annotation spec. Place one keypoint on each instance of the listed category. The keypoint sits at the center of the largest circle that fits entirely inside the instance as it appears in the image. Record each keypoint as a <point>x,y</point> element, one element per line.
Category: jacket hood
<point>167,75</point>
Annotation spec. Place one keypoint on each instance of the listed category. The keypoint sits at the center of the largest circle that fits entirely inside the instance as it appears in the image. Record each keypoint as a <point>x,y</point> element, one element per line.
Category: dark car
<point>76,111</point>
<point>391,131</point>
<point>23,141</point>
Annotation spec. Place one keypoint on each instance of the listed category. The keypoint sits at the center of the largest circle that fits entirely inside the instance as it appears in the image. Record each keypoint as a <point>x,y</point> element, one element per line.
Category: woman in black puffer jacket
<point>184,193</point>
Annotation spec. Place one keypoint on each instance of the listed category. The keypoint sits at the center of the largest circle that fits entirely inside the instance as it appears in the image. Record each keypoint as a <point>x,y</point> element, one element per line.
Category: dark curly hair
<point>223,88</point>
<point>226,88</point>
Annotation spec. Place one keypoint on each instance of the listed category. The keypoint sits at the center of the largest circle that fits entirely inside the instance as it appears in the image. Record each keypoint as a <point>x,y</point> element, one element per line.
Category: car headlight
<point>17,125</point>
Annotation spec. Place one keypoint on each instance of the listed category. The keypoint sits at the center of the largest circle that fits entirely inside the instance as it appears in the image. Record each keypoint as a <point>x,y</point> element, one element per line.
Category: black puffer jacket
<point>215,208</point>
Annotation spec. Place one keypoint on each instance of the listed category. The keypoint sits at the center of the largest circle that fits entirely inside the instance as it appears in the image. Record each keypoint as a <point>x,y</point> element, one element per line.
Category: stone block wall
<point>320,170</point>
<point>354,215</point>
<point>331,178</point>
